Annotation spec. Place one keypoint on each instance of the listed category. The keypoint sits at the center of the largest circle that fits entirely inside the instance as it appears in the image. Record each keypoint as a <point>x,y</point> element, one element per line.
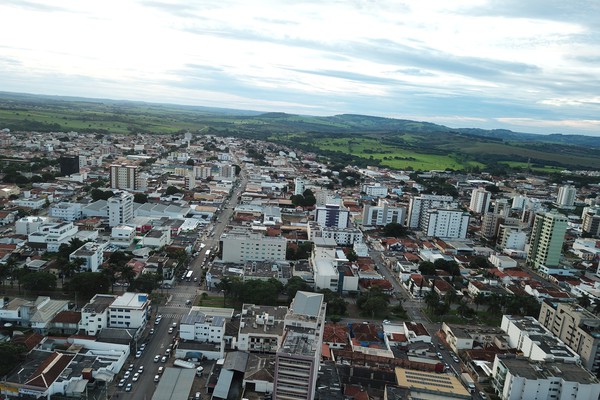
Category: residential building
<point>66,211</point>
<point>566,196</point>
<point>157,238</point>
<point>69,165</point>
<point>94,315</point>
<point>577,327</point>
<point>299,186</point>
<point>517,378</point>
<point>332,215</point>
<point>446,223</point>
<point>480,201</point>
<point>54,234</point>
<point>35,203</point>
<point>419,205</point>
<point>241,245</point>
<point>129,310</point>
<point>375,190</point>
<point>29,224</point>
<point>299,355</point>
<point>202,327</point>
<point>120,208</point>
<point>323,261</point>
<point>92,255</point>
<point>261,328</point>
<point>591,222</point>
<point>382,214</point>
<point>546,240</point>
<point>122,235</point>
<point>512,237</point>
<point>124,177</point>
<point>342,236</point>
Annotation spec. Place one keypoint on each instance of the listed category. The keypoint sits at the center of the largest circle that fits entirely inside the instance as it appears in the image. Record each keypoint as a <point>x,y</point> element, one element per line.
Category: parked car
<point>163,359</point>
<point>170,330</point>
<point>143,347</point>
<point>138,354</point>
<point>130,367</point>
<point>156,378</point>
<point>161,370</point>
<point>128,387</point>
<point>140,369</point>
<point>156,358</point>
<point>152,331</point>
<point>136,376</point>
<point>121,383</point>
<point>126,375</point>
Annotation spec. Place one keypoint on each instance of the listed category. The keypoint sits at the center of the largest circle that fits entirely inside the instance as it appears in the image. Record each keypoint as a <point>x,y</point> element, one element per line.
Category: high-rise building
<point>420,204</point>
<point>299,184</point>
<point>241,245</point>
<point>375,190</point>
<point>566,196</point>
<point>480,201</point>
<point>577,327</point>
<point>69,165</point>
<point>382,214</point>
<point>591,221</point>
<point>299,355</point>
<point>446,223</point>
<point>546,240</point>
<point>332,215</point>
<point>124,177</point>
<point>120,208</point>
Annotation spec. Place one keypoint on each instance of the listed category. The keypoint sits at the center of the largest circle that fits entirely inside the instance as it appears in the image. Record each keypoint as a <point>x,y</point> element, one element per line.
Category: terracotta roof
<point>29,341</point>
<point>67,317</point>
<point>333,333</point>
<point>49,370</point>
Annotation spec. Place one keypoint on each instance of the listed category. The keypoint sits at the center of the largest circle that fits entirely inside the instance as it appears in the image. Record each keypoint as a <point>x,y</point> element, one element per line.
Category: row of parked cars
<point>128,374</point>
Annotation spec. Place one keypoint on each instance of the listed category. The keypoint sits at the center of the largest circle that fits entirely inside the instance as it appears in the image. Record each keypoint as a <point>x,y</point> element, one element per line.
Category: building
<point>511,237</point>
<point>446,223</point>
<point>124,177</point>
<point>69,165</point>
<point>120,208</point>
<point>382,214</point>
<point>342,236</point>
<point>480,201</point>
<point>332,215</point>
<point>122,235</point>
<point>94,315</point>
<point>420,204</point>
<point>577,327</point>
<point>241,246</point>
<point>375,190</point>
<point>430,385</point>
<point>130,310</point>
<point>92,255</point>
<point>517,378</point>
<point>299,186</point>
<point>546,240</point>
<point>566,196</point>
<point>261,328</point>
<point>66,211</point>
<point>53,235</point>
<point>591,222</point>
<point>299,355</point>
<point>202,327</point>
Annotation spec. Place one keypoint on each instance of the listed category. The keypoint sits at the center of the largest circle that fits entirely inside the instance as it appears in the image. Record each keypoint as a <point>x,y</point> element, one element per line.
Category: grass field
<point>545,168</point>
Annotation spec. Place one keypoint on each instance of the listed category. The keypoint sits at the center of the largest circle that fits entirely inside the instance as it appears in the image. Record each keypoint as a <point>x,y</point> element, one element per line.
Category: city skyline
<point>525,66</point>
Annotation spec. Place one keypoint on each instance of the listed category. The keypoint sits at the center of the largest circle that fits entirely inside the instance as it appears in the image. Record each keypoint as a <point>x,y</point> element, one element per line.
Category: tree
<point>432,299</point>
<point>171,190</point>
<point>140,198</point>
<point>86,284</point>
<point>294,284</point>
<point>39,281</point>
<point>145,283</point>
<point>373,302</point>
<point>351,255</point>
<point>479,299</point>
<point>464,310</point>
<point>427,268</point>
<point>584,301</point>
<point>190,161</point>
<point>11,355</point>
<point>98,194</point>
<point>479,262</point>
<point>394,229</point>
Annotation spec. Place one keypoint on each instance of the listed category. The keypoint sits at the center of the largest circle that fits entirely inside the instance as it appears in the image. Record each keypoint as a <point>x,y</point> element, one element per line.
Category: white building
<point>201,327</point>
<point>299,185</point>
<point>54,234</point>
<point>30,224</point>
<point>323,261</point>
<point>517,378</point>
<point>501,262</point>
<point>566,196</point>
<point>446,223</point>
<point>511,237</point>
<point>124,177</point>
<point>122,235</point>
<point>382,214</point>
<point>261,328</point>
<point>419,206</point>
<point>91,253</point>
<point>120,208</point>
<point>157,238</point>
<point>66,211</point>
<point>342,236</point>
<point>480,201</point>
<point>35,203</point>
<point>94,315</point>
<point>130,310</point>
<point>332,215</point>
<point>375,190</point>
<point>241,246</point>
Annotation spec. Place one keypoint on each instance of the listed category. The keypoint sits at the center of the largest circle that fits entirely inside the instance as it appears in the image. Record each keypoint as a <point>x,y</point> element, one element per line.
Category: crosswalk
<point>173,315</point>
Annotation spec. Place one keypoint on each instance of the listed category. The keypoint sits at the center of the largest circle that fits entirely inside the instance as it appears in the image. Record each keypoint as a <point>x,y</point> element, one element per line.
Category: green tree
<point>86,284</point>
<point>171,190</point>
<point>352,256</point>
<point>294,284</point>
<point>427,268</point>
<point>394,229</point>
<point>584,301</point>
<point>11,355</point>
<point>140,198</point>
<point>39,281</point>
<point>98,194</point>
<point>145,283</point>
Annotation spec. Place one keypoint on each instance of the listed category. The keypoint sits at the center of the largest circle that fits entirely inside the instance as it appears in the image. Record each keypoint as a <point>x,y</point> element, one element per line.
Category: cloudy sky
<point>526,65</point>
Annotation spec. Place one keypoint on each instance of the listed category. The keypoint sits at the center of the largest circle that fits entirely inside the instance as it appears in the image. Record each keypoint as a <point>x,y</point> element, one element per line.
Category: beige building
<point>577,327</point>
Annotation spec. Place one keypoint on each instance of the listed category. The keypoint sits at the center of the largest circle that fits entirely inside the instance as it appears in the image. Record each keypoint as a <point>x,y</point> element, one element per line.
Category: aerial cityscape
<point>361,200</point>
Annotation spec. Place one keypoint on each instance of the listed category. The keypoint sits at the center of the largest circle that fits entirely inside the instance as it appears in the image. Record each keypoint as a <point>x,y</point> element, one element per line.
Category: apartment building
<point>261,328</point>
<point>124,177</point>
<point>243,245</point>
<point>419,205</point>
<point>202,327</point>
<point>332,216</point>
<point>382,214</point>
<point>54,234</point>
<point>546,240</point>
<point>342,236</point>
<point>66,211</point>
<point>375,190</point>
<point>92,255</point>
<point>130,310</point>
<point>480,201</point>
<point>577,327</point>
<point>446,223</point>
<point>120,208</point>
<point>566,196</point>
<point>591,221</point>
<point>517,378</point>
<point>94,315</point>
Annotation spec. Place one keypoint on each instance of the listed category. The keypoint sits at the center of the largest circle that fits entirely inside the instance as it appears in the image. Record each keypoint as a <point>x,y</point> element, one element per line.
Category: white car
<point>136,376</point>
<point>143,347</point>
<point>140,369</point>
<point>121,383</point>
<point>156,358</point>
<point>170,330</point>
<point>138,354</point>
<point>128,387</point>
<point>126,375</point>
<point>163,359</point>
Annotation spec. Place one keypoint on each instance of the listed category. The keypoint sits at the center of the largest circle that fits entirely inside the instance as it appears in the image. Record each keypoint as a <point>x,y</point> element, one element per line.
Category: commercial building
<point>375,190</point>
<point>130,310</point>
<point>577,327</point>
<point>54,234</point>
<point>124,177</point>
<point>342,236</point>
<point>480,201</point>
<point>120,208</point>
<point>546,240</point>
<point>419,205</point>
<point>261,328</point>
<point>242,245</point>
<point>92,255</point>
<point>202,327</point>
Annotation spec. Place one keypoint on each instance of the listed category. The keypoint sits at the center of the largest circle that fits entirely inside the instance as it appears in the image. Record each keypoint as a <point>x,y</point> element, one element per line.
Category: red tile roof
<point>67,317</point>
<point>49,370</point>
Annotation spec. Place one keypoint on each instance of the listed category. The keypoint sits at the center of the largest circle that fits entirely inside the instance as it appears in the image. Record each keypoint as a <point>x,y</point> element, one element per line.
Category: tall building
<point>420,204</point>
<point>566,196</point>
<point>124,177</point>
<point>375,190</point>
<point>446,223</point>
<point>241,246</point>
<point>120,208</point>
<point>480,201</point>
<point>382,214</point>
<point>299,185</point>
<point>546,240</point>
<point>298,357</point>
<point>591,221</point>
<point>69,165</point>
<point>577,327</point>
<point>332,215</point>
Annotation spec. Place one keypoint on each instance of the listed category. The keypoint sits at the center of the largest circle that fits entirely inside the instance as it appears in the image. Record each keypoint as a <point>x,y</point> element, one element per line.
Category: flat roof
<point>130,300</point>
<point>430,382</point>
<point>175,384</point>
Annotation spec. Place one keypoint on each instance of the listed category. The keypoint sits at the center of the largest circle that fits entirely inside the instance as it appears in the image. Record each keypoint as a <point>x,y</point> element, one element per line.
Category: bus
<point>188,275</point>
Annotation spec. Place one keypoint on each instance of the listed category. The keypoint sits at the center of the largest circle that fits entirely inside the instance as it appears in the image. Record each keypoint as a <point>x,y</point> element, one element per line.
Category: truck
<point>188,365</point>
<point>468,381</point>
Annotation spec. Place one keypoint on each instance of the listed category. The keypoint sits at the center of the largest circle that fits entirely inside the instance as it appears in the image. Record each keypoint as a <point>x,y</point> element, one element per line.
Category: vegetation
<point>11,355</point>
<point>373,302</point>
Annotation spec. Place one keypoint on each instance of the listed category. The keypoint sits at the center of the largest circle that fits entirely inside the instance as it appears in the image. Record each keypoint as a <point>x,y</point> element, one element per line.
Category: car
<point>138,354</point>
<point>128,387</point>
<point>152,331</point>
<point>130,367</point>
<point>143,347</point>
<point>455,359</point>
<point>157,321</point>
<point>198,395</point>
<point>136,376</point>
<point>127,375</point>
<point>161,370</point>
<point>188,302</point>
<point>121,383</point>
<point>439,355</point>
<point>163,359</point>
<point>140,369</point>
<point>441,346</point>
<point>482,395</point>
<point>168,352</point>
<point>170,330</point>
<point>156,378</point>
<point>156,358</point>
<point>174,324</point>
<point>386,321</point>
<point>159,316</point>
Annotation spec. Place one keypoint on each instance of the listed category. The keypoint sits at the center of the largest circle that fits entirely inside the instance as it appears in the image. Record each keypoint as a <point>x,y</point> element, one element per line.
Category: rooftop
<point>570,372</point>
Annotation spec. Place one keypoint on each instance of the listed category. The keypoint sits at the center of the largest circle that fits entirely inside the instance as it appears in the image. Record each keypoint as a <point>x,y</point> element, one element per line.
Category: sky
<point>525,65</point>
